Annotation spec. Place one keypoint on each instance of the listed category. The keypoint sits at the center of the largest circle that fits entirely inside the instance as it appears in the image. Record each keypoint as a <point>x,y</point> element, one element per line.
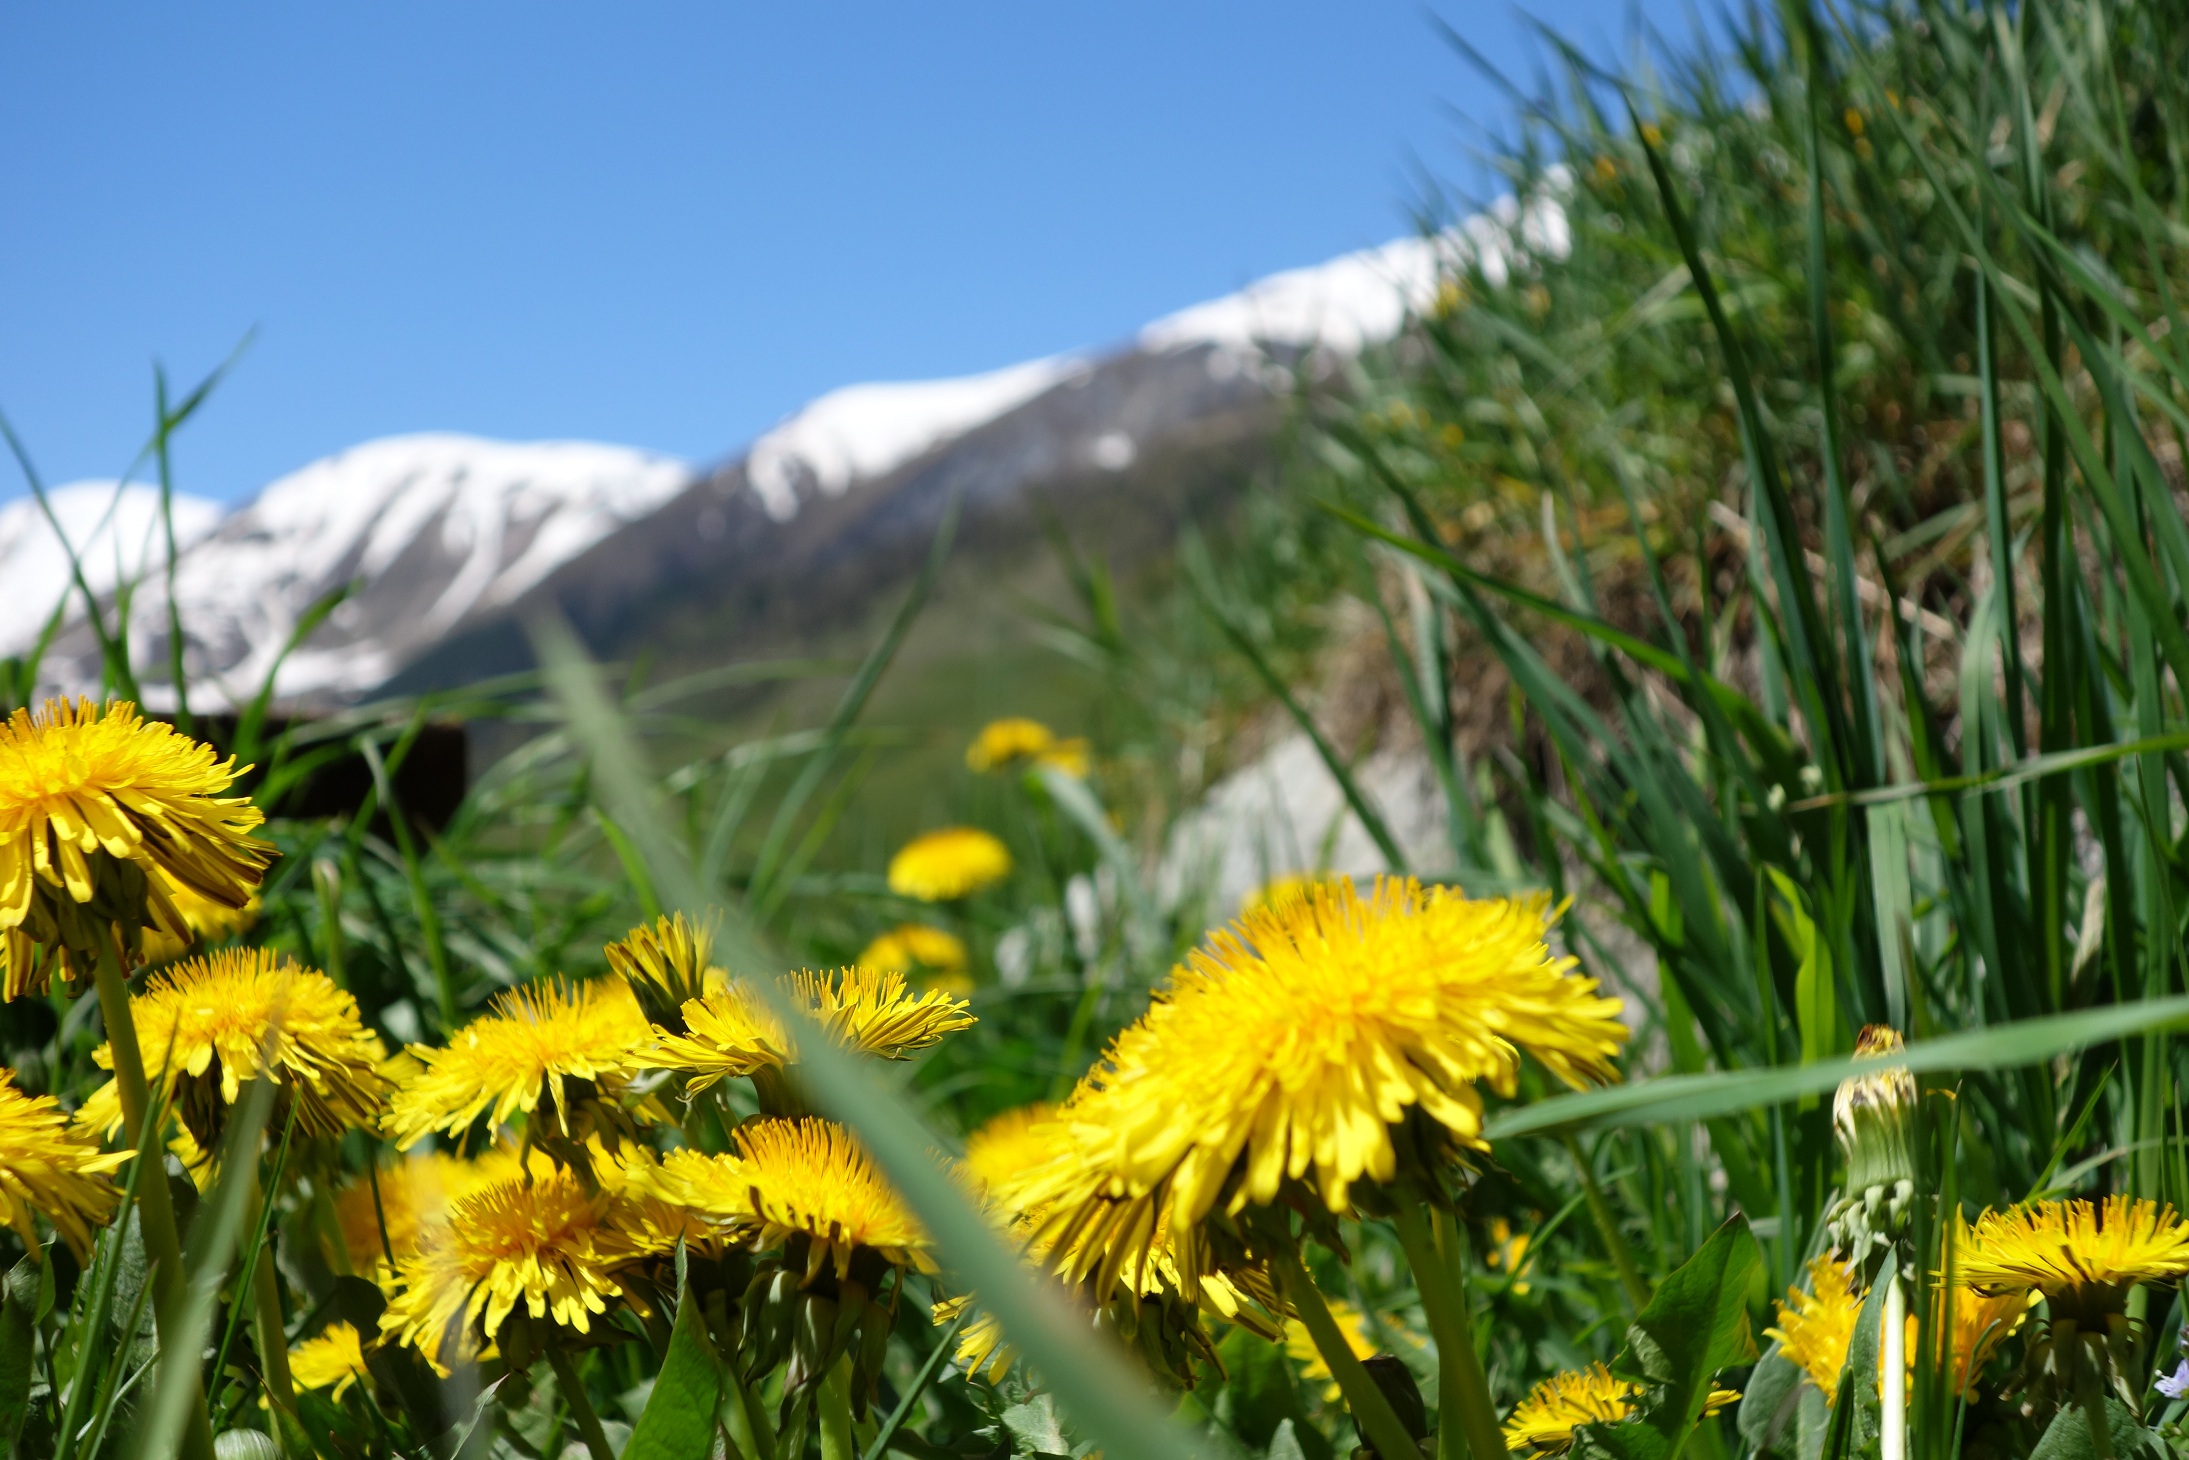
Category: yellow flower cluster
<point>1816,1328</point>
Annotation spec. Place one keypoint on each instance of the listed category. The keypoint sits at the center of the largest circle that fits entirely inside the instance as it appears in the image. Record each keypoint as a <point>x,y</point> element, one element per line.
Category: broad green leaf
<point>2069,1436</point>
<point>678,1420</point>
<point>20,1295</point>
<point>1677,1098</point>
<point>1629,1440</point>
<point>1770,1399</point>
<point>1695,1325</point>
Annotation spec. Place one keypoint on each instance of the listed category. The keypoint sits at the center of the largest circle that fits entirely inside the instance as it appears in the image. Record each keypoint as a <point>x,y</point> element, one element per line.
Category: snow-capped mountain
<point>428,533</point>
<point>115,532</point>
<point>443,543</point>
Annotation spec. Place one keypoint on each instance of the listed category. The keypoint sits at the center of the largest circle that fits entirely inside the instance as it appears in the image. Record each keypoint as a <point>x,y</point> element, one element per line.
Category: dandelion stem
<point>581,1407</point>
<point>273,1334</point>
<point>155,1211</point>
<point>2091,1396</point>
<point>1607,1227</point>
<point>1463,1390</point>
<point>1378,1421</point>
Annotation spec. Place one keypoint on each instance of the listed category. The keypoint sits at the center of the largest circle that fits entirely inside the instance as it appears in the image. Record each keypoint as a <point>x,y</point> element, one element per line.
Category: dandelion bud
<point>1873,1115</point>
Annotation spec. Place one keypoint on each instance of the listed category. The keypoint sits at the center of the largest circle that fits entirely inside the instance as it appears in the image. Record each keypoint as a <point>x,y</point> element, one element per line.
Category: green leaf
<point>2069,1436</point>
<point>1769,1399</point>
<point>1698,1097</point>
<point>27,1289</point>
<point>1034,1428</point>
<point>678,1420</point>
<point>1261,1397</point>
<point>1695,1325</point>
<point>1629,1440</point>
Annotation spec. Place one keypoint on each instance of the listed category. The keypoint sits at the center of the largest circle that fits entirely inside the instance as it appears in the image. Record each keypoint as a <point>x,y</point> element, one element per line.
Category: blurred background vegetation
<point>1790,571</point>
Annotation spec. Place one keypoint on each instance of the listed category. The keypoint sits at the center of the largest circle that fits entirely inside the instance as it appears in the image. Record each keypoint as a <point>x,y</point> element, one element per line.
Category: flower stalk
<point>156,1211</point>
<point>581,1408</point>
<point>1463,1390</point>
<point>1379,1422</point>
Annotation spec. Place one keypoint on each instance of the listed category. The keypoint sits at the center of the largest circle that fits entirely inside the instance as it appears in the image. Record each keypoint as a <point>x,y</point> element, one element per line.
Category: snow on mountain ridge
<point>435,529</point>
<point>861,432</point>
<point>116,532</point>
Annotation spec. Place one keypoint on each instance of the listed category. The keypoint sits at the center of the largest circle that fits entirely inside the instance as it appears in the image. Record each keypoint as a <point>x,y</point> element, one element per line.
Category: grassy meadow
<point>1784,581</point>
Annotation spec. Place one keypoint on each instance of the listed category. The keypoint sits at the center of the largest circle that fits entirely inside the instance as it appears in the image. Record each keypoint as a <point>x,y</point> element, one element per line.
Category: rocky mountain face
<point>434,550</point>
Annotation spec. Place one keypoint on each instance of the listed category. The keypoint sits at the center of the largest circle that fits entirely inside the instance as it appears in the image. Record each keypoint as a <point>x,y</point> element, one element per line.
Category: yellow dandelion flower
<point>208,921</point>
<point>101,813</point>
<point>533,1047</point>
<point>1287,1048</point>
<point>1008,742</point>
<point>209,1019</point>
<point>51,1166</point>
<point>335,1356</point>
<point>415,1194</point>
<point>944,865</point>
<point>865,1010</point>
<point>667,963</point>
<point>1980,1325</point>
<point>916,948</point>
<point>2082,1256</point>
<point>1280,892</point>
<point>1544,1422</point>
<point>801,1179</point>
<point>1009,1145</point>
<point>538,1244</point>
<point>1816,1328</point>
<point>1508,1253</point>
<point>728,1033</point>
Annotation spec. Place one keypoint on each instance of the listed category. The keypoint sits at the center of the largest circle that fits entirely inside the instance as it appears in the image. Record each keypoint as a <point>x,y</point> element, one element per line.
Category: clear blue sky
<point>666,224</point>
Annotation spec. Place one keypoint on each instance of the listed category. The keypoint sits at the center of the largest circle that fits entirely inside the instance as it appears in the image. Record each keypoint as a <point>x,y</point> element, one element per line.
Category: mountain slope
<point>445,543</point>
<point>115,531</point>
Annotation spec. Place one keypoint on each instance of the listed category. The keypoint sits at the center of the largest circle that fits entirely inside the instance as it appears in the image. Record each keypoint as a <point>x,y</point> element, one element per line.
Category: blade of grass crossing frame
<point>765,896</point>
<point>213,1240</point>
<point>1099,1387</point>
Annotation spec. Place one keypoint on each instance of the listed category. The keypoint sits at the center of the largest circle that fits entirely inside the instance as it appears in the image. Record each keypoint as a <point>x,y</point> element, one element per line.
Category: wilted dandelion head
<point>555,1044</point>
<point>102,814</point>
<point>2083,1256</point>
<point>945,865</point>
<point>801,1180</point>
<point>51,1166</point>
<point>211,1024</point>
